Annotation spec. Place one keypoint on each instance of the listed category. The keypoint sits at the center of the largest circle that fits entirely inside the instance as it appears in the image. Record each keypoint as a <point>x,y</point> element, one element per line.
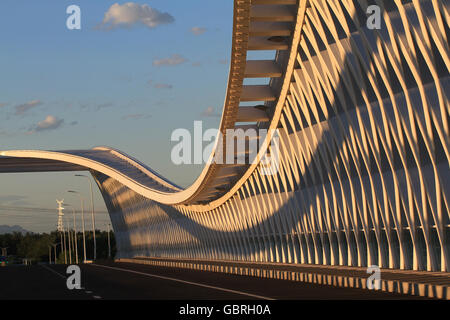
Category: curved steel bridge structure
<point>363,122</point>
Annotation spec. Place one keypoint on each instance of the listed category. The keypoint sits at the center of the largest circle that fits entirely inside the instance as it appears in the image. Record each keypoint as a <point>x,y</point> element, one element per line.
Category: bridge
<point>362,121</point>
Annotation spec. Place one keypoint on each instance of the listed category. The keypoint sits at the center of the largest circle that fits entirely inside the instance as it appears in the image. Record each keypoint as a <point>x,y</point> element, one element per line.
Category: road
<point>110,281</point>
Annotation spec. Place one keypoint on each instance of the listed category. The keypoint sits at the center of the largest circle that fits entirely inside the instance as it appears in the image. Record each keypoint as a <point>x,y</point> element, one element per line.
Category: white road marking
<point>186,282</point>
<point>55,272</point>
<point>97,297</point>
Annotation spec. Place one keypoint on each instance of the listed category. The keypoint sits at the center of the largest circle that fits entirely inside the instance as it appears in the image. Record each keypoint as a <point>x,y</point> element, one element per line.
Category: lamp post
<point>82,224</point>
<point>54,246</point>
<point>69,239</point>
<point>75,235</point>
<point>92,212</point>
<point>63,244</point>
<point>109,240</point>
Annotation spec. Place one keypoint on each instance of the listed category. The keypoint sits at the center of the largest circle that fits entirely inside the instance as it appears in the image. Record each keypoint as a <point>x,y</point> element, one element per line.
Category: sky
<point>132,74</point>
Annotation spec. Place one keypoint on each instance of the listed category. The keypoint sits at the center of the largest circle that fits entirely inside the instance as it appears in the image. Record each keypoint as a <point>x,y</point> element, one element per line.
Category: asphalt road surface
<point>142,282</point>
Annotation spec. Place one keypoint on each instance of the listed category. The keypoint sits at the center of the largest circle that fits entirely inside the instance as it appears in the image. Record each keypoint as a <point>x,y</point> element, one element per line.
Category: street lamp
<point>109,240</point>
<point>69,239</point>
<point>75,238</point>
<point>92,212</point>
<point>54,246</point>
<point>49,254</point>
<point>82,218</point>
<point>63,244</point>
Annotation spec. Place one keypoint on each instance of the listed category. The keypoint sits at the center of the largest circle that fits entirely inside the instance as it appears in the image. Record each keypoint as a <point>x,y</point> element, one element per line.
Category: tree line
<point>35,246</point>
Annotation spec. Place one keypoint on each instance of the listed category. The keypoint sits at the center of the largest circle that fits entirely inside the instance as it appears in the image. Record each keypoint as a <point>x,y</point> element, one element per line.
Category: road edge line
<point>184,281</point>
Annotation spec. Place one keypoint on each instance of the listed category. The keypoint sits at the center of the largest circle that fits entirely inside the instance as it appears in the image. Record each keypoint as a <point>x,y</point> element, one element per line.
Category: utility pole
<point>70,243</point>
<point>109,241</point>
<point>92,213</point>
<point>82,224</point>
<point>54,246</point>
<point>49,254</point>
<point>63,246</point>
<point>75,236</point>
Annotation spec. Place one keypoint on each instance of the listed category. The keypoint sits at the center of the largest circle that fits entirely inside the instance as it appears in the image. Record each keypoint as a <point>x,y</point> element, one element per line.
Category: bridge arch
<point>364,147</point>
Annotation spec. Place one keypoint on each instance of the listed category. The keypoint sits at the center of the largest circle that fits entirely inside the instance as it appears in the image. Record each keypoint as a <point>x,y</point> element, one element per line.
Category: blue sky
<point>127,87</point>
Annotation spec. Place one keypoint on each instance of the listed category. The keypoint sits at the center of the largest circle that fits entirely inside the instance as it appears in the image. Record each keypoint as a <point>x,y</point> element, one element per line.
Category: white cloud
<point>174,60</point>
<point>198,30</point>
<point>130,14</point>
<point>50,123</point>
<point>23,108</point>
